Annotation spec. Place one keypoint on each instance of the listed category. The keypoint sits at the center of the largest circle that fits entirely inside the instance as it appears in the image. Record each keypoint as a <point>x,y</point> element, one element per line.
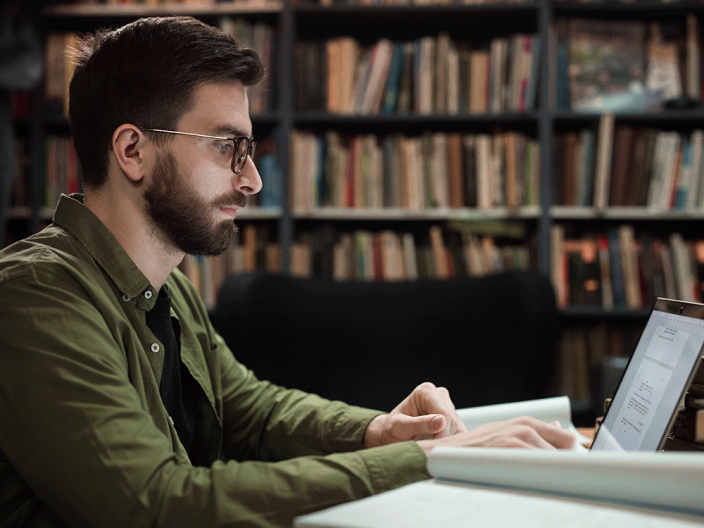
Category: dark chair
<point>488,340</point>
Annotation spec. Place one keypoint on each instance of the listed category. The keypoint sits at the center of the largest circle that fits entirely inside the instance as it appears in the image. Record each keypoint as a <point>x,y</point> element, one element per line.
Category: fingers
<point>556,435</point>
<point>536,433</point>
<point>523,432</point>
<point>429,399</point>
<point>418,427</point>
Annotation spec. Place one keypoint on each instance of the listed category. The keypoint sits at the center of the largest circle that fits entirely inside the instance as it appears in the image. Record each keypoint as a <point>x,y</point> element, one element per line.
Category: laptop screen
<point>655,380</point>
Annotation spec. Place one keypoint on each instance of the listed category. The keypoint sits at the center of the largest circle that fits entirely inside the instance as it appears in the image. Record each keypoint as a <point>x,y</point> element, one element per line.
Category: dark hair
<point>145,73</point>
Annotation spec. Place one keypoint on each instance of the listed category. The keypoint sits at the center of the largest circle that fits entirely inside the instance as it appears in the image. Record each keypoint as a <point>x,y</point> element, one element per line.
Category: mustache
<point>234,198</point>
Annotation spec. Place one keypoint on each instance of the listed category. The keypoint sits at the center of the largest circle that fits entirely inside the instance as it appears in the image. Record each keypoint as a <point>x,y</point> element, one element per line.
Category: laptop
<point>658,374</point>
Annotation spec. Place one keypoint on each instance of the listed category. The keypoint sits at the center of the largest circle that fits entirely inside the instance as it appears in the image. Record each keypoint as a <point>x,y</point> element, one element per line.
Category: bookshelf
<point>287,230</point>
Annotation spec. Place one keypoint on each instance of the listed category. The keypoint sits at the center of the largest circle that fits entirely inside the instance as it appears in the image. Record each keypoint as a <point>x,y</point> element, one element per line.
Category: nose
<point>248,181</point>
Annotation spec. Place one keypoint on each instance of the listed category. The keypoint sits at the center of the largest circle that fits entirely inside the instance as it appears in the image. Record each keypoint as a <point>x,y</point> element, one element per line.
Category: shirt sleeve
<point>76,431</point>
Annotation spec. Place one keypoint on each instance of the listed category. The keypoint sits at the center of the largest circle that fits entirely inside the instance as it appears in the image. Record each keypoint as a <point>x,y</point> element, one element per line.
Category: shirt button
<point>125,298</point>
<point>148,294</point>
<point>155,347</point>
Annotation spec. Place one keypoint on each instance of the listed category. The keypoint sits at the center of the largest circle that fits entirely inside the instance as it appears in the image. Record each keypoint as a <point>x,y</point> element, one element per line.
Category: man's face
<point>184,216</point>
<point>193,196</point>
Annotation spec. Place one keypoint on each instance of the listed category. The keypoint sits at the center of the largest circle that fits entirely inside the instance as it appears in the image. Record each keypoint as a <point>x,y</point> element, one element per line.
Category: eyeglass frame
<point>235,140</point>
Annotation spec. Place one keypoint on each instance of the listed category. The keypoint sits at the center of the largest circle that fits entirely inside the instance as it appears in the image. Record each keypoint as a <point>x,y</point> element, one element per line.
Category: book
<point>569,161</point>
<point>679,444</point>
<point>560,67</point>
<point>453,79</point>
<point>393,84</point>
<point>622,165</point>
<point>374,91</point>
<point>530,96</point>
<point>455,170</point>
<point>616,266</point>
<point>629,263</point>
<point>585,168</point>
<point>607,292</point>
<point>663,72</point>
<point>558,270</point>
<point>440,88</point>
<point>607,65</point>
<point>693,176</point>
<point>604,152</point>
<point>689,425</point>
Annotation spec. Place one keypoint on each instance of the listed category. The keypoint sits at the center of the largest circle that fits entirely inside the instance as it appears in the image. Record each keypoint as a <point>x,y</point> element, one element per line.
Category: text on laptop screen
<point>652,385</point>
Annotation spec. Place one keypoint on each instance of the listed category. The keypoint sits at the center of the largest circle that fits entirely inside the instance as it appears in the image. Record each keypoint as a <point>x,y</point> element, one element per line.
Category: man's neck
<point>132,230</point>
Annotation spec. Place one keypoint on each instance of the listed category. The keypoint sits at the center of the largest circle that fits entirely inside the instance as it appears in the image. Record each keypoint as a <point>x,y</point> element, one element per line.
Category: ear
<point>129,146</point>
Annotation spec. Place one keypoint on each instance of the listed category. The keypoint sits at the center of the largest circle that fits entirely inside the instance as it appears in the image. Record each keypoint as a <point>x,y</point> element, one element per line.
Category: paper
<point>661,479</point>
<point>546,410</point>
<point>432,503</point>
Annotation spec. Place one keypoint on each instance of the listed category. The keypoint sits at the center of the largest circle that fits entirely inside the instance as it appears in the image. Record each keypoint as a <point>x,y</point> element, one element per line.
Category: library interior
<point>506,186</point>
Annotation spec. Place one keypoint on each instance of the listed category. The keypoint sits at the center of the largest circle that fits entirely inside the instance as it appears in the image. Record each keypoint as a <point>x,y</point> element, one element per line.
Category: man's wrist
<point>373,432</point>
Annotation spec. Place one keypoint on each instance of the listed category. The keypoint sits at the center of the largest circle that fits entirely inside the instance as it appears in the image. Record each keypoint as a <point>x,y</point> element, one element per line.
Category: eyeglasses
<point>243,146</point>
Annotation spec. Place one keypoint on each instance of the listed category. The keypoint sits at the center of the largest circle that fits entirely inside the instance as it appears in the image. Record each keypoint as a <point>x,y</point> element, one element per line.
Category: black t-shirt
<point>177,387</point>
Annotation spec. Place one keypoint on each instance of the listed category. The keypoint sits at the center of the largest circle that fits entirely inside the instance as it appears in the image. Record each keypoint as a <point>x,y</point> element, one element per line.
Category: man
<point>119,404</point>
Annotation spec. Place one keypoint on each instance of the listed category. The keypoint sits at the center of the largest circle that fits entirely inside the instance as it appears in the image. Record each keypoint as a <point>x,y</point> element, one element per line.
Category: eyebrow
<point>230,131</point>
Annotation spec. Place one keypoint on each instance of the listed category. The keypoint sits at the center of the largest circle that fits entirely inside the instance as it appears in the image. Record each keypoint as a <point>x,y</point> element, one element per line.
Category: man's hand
<point>427,413</point>
<point>524,432</point>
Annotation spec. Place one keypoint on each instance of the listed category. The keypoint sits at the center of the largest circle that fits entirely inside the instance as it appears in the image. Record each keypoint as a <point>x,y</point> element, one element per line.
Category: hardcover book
<point>607,64</point>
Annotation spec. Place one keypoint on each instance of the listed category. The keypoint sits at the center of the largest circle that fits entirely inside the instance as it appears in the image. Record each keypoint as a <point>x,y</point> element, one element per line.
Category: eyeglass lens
<point>244,148</point>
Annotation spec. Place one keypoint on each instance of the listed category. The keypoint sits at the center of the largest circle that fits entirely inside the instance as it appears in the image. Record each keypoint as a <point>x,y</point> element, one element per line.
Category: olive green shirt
<point>85,439</point>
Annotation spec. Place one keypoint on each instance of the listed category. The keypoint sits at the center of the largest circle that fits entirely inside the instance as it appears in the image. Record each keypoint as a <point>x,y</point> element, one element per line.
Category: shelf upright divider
<point>545,135</point>
<point>287,32</point>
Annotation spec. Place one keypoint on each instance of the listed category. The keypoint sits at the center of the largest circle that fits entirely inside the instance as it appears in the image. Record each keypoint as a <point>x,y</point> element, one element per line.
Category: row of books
<point>157,3</point>
<point>59,65</point>
<point>626,165</point>
<point>432,170</point>
<point>480,2</point>
<point>62,173</point>
<point>626,65</point>
<point>260,36</point>
<point>412,2</point>
<point>361,255</point>
<point>617,270</point>
<point>425,76</point>
<point>265,158</point>
<point>387,255</point>
<point>62,170</point>
<point>627,1</point>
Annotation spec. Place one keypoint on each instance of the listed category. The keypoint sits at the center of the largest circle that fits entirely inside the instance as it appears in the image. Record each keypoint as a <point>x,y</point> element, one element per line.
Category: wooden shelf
<point>663,117</point>
<point>631,10</point>
<point>597,313</point>
<point>140,10</point>
<point>435,120</point>
<point>259,213</point>
<point>390,214</point>
<point>563,212</point>
<point>501,8</point>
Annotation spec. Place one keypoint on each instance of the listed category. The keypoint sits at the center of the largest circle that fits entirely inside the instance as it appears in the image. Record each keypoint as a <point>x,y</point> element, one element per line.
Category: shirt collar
<point>80,221</point>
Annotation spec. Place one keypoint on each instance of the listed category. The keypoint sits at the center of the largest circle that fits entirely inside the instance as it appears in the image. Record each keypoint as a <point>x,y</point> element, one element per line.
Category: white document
<point>535,489</point>
<point>661,479</point>
<point>546,410</point>
<point>432,504</point>
<point>645,394</point>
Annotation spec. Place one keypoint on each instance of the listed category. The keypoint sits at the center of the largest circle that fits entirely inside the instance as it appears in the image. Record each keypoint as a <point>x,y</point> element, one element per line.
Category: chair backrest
<point>488,340</point>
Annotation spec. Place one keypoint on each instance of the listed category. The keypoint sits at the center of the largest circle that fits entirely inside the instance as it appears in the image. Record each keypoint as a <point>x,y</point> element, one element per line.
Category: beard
<point>182,217</point>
